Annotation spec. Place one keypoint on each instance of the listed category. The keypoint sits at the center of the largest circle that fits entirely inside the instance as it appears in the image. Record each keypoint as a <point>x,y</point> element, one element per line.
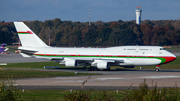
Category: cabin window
<point>124,48</point>
<point>162,49</point>
<point>144,49</point>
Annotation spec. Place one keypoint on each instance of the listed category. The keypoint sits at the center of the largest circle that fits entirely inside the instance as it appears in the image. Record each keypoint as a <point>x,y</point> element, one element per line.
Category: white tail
<point>27,37</point>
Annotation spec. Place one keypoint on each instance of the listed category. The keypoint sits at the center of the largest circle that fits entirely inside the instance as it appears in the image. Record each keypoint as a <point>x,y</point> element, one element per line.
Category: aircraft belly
<point>147,62</point>
<point>138,61</point>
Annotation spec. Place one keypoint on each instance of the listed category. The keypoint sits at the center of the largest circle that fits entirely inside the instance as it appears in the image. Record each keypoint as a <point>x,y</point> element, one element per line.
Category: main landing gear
<point>93,69</point>
<point>96,69</point>
<point>157,68</point>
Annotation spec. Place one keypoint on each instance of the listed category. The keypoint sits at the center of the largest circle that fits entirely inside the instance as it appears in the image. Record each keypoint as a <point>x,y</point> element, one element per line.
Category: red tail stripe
<point>25,32</point>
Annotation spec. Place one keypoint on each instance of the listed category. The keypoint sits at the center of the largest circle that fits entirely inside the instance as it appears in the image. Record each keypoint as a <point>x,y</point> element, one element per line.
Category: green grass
<point>4,74</point>
<point>30,65</point>
<point>43,95</point>
<point>58,95</point>
<point>94,95</point>
<point>142,94</point>
<point>34,73</point>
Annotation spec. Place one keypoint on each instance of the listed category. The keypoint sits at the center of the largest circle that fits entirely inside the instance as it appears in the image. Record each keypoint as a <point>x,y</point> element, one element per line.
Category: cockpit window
<point>162,49</point>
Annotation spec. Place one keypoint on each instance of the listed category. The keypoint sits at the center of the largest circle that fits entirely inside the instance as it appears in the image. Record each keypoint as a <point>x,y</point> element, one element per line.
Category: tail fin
<point>27,37</point>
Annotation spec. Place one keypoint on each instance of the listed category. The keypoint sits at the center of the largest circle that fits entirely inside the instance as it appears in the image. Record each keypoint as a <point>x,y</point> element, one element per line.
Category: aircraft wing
<point>99,63</point>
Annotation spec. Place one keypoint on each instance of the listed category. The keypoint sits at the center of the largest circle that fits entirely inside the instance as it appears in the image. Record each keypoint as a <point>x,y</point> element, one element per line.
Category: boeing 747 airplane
<point>96,58</point>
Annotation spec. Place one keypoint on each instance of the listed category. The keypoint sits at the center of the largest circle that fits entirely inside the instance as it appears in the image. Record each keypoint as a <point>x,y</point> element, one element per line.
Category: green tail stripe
<point>23,33</point>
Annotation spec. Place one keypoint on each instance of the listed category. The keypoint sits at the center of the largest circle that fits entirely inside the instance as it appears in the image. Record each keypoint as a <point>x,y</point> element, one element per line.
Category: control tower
<point>138,15</point>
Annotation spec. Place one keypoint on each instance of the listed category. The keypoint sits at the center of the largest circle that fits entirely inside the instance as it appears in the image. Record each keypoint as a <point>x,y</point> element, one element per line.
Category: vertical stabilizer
<point>27,37</point>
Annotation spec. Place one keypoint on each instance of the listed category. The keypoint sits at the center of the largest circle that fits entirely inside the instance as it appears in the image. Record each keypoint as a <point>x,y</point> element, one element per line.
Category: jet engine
<point>101,65</point>
<point>70,63</point>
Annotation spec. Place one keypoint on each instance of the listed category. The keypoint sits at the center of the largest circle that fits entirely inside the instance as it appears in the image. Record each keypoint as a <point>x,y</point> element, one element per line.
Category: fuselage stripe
<point>23,32</point>
<point>163,59</point>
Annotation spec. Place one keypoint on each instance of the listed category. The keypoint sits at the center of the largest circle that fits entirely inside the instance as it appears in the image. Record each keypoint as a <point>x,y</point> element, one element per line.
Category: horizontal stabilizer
<point>25,55</point>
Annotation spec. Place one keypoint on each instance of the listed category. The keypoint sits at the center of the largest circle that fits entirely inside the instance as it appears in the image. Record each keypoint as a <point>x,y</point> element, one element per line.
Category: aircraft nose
<point>169,59</point>
<point>174,56</point>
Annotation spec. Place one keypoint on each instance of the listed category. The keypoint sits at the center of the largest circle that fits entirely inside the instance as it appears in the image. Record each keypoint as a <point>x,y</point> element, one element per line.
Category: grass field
<point>58,95</point>
<point>31,65</point>
<point>44,95</point>
<point>4,74</point>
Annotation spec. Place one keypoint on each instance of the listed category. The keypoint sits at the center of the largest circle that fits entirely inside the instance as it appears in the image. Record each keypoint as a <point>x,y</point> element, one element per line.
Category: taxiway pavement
<point>17,58</point>
<point>122,79</point>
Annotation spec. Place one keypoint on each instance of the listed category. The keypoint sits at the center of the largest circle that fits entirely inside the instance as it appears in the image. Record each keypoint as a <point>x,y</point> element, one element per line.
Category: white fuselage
<point>127,55</point>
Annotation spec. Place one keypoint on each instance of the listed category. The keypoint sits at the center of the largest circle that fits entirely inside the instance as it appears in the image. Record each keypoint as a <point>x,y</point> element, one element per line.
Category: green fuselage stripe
<point>159,58</point>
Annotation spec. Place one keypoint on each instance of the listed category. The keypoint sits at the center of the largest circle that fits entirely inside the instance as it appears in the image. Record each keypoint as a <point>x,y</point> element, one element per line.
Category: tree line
<point>98,34</point>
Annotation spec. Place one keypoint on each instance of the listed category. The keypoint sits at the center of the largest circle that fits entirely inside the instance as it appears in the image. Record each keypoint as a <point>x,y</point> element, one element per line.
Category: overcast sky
<point>78,10</point>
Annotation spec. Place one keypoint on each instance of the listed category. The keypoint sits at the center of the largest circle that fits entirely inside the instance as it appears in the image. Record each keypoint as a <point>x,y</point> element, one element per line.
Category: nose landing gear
<point>157,68</point>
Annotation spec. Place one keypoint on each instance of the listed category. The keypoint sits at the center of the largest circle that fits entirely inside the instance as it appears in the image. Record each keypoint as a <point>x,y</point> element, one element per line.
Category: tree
<point>90,37</point>
<point>57,22</point>
<point>5,37</point>
<point>127,37</point>
<point>105,33</point>
<point>58,38</point>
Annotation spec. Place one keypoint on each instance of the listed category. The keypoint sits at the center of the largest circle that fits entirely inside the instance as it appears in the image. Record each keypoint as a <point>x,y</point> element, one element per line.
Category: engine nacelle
<point>129,66</point>
<point>70,63</point>
<point>103,65</point>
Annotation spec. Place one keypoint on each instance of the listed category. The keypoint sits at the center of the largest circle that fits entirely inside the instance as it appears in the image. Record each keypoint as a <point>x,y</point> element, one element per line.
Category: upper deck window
<point>131,49</point>
<point>162,49</point>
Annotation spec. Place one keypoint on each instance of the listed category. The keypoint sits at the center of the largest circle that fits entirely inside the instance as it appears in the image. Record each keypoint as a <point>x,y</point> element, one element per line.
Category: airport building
<point>138,15</point>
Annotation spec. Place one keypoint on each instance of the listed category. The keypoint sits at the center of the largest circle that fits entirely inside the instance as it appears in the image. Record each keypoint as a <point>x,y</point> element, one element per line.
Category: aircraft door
<point>127,55</point>
<point>137,48</point>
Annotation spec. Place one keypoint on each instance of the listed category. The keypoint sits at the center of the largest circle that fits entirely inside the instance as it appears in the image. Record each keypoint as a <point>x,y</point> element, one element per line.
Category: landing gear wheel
<point>108,69</point>
<point>92,68</point>
<point>89,69</point>
<point>157,69</point>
